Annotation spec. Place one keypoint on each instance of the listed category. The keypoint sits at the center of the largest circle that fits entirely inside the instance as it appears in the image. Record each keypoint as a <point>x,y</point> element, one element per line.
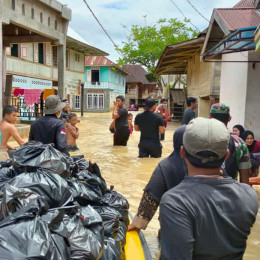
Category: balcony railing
<point>104,85</point>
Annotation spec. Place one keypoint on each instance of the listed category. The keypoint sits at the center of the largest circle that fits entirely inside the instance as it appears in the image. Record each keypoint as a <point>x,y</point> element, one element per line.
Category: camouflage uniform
<point>241,150</point>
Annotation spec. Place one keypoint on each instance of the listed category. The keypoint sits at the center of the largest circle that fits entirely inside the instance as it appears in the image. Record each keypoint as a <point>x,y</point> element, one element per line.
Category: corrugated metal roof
<point>236,18</point>
<point>245,3</point>
<point>101,61</point>
<point>136,74</point>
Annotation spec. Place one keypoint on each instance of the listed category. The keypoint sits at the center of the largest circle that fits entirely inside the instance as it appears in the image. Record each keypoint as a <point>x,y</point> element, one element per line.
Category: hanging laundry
<point>47,92</point>
<point>18,91</point>
<point>31,96</point>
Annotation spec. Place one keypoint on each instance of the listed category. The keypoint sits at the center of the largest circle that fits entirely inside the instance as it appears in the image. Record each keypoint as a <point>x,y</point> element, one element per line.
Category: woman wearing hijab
<point>253,147</point>
<point>168,174</point>
<point>238,130</point>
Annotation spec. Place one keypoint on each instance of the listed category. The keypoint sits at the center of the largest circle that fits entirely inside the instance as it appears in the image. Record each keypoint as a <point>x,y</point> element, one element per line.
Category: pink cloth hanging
<point>18,91</point>
<point>31,96</point>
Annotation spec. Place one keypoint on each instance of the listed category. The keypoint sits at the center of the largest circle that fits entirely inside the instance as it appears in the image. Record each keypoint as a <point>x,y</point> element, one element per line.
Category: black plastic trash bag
<point>83,193</point>
<point>14,199</point>
<point>6,163</point>
<point>6,174</point>
<point>44,183</point>
<point>111,249</point>
<point>94,169</point>
<point>24,235</point>
<point>81,162</point>
<point>118,202</point>
<point>111,218</point>
<point>37,155</point>
<point>81,227</point>
<point>83,242</point>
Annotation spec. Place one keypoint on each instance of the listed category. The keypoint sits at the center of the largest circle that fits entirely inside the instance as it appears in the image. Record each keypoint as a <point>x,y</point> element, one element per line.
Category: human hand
<point>133,227</point>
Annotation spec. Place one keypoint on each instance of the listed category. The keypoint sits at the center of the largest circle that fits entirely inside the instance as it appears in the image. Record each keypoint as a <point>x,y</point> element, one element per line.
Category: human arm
<point>115,114</point>
<point>149,203</point>
<point>177,238</point>
<point>159,109</point>
<point>161,125</point>
<point>14,133</point>
<point>73,130</point>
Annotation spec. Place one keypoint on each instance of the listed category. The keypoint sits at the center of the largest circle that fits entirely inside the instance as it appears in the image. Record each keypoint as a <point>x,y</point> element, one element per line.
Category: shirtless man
<point>8,130</point>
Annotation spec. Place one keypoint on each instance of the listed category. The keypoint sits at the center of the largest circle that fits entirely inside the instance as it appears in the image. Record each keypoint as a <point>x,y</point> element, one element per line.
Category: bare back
<point>72,134</point>
<point>8,130</point>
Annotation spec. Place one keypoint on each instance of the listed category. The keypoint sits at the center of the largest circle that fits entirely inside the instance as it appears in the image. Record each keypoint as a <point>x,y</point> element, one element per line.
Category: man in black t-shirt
<point>150,125</point>
<point>120,114</point>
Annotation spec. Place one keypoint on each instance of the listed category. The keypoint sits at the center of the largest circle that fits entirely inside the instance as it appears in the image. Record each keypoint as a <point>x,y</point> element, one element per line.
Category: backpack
<point>229,166</point>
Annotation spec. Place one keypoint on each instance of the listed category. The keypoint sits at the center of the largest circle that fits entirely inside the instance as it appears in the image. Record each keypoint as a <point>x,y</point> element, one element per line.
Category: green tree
<point>145,44</point>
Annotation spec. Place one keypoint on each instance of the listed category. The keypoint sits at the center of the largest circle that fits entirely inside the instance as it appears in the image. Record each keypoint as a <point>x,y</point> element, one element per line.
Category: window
<point>41,17</point>
<point>49,21</point>
<point>55,56</point>
<point>13,5</point>
<point>40,53</point>
<point>77,102</point>
<point>56,25</point>
<point>94,76</point>
<point>23,9</point>
<point>32,13</point>
<point>95,101</point>
<point>77,57</point>
<point>15,50</point>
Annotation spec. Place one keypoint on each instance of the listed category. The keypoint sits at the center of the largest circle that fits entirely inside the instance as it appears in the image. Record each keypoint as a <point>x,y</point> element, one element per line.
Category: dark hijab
<point>241,129</point>
<point>170,171</point>
<point>245,135</point>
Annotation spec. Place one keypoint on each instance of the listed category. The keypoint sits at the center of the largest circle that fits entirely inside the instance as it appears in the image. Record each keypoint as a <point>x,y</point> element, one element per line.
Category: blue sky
<point>115,14</point>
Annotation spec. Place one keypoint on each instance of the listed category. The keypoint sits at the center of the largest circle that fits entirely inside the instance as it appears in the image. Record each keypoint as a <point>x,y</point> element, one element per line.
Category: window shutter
<point>8,51</point>
<point>36,52</point>
<point>24,51</point>
<point>47,53</point>
<point>88,75</point>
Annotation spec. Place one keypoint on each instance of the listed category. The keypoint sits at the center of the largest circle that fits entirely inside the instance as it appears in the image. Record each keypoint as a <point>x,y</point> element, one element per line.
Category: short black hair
<point>198,162</point>
<point>163,100</point>
<point>130,114</point>
<point>224,118</point>
<point>71,115</point>
<point>191,100</point>
<point>121,97</point>
<point>9,110</point>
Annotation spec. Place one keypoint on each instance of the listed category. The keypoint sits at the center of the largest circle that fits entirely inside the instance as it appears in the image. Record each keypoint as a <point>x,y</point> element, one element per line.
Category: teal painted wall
<point>104,74</point>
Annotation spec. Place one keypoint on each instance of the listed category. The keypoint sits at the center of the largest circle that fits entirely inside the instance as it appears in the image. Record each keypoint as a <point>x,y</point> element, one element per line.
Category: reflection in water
<point>121,168</point>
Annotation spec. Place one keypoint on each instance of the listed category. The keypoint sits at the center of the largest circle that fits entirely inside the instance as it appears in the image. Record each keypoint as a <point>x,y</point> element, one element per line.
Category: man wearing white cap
<point>207,216</point>
<point>49,128</point>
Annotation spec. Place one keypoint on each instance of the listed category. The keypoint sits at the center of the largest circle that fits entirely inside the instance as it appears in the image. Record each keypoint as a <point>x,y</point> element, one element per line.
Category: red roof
<point>101,61</point>
<point>236,18</point>
<point>245,3</point>
<point>98,61</point>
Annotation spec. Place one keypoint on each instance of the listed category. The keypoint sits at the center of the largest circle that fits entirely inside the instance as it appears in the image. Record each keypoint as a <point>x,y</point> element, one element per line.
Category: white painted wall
<point>233,85</point>
<point>252,111</point>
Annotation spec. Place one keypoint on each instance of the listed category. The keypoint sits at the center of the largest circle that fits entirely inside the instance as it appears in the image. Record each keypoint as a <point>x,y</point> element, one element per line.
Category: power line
<point>184,15</point>
<point>197,11</point>
<point>117,49</point>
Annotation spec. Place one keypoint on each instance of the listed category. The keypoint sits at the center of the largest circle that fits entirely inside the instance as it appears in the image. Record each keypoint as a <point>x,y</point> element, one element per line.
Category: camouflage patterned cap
<point>220,108</point>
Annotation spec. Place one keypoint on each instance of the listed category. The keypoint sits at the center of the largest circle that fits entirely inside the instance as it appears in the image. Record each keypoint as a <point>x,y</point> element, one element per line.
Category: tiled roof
<point>245,3</point>
<point>136,74</point>
<point>236,18</point>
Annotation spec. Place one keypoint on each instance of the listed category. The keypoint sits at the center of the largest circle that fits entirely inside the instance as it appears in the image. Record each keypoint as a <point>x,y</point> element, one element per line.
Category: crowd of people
<point>207,208</point>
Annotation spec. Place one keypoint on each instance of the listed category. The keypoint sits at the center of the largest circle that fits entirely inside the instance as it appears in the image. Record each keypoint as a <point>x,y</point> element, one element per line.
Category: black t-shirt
<point>149,123</point>
<point>187,116</point>
<point>122,122</point>
<point>207,218</point>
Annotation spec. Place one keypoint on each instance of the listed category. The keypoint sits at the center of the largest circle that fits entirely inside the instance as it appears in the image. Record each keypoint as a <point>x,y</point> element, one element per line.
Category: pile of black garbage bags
<point>57,207</point>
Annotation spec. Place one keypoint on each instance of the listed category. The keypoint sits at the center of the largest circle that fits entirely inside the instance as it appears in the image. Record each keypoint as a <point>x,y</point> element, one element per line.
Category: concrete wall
<point>233,85</point>
<point>73,63</point>
<point>252,109</point>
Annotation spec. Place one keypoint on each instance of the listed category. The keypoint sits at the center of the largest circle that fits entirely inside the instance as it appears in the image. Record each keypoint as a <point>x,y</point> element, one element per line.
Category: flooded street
<point>129,174</point>
<point>121,168</point>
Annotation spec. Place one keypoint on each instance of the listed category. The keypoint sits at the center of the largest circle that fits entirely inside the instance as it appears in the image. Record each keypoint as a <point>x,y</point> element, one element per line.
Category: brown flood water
<point>129,174</point>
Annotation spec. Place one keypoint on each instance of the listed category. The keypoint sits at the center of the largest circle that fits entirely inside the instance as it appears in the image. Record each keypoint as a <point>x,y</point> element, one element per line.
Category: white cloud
<point>115,13</point>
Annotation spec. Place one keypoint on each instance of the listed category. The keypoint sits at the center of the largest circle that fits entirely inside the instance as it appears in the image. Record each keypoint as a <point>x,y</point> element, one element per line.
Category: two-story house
<point>104,81</point>
<point>33,74</point>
